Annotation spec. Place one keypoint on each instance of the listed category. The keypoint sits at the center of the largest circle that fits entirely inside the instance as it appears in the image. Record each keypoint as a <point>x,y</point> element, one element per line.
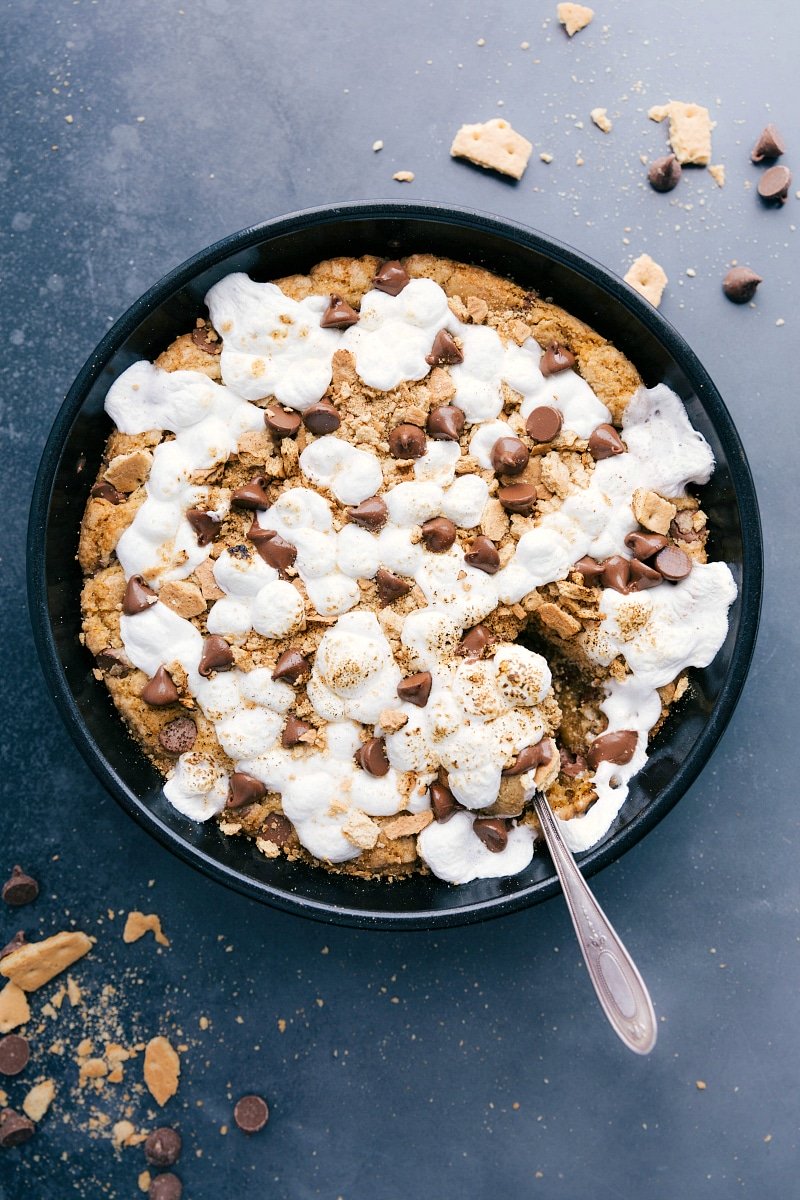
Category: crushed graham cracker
<point>36,963</point>
<point>162,1068</point>
<point>138,924</point>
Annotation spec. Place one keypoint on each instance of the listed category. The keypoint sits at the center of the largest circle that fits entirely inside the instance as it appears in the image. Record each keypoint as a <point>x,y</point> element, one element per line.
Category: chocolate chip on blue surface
<point>493,832</point>
<point>138,596</point>
<point>483,555</point>
<point>178,736</point>
<point>371,757</point>
<point>251,495</point>
<point>281,422</point>
<point>20,888</point>
<point>605,442</point>
<point>556,358</point>
<point>251,1113</point>
<point>216,655</point>
<point>243,789</point>
<point>165,1187</point>
<point>371,514</point>
<point>18,940</point>
<point>205,525</point>
<point>339,314</point>
<point>446,423</point>
<point>14,1054</point>
<point>445,351</point>
<point>415,689</point>
<point>160,690</point>
<point>664,173</point>
<point>321,418</point>
<point>769,144</point>
<point>291,667</point>
<point>162,1147</point>
<point>773,187</point>
<point>391,278</point>
<point>740,284</point>
<point>14,1128</point>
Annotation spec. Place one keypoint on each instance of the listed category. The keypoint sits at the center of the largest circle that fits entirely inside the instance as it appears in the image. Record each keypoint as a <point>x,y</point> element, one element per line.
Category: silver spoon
<point>619,986</point>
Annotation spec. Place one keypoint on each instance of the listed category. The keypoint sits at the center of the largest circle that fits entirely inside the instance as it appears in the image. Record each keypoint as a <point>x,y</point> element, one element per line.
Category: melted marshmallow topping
<point>480,714</point>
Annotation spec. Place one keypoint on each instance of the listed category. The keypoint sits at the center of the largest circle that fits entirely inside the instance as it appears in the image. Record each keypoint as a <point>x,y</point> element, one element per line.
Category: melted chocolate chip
<point>483,555</point>
<point>529,758</point>
<point>573,768</point>
<point>773,187</point>
<point>216,656</point>
<point>160,690</point>
<point>605,442</point>
<point>616,573</point>
<point>281,422</point>
<point>291,667</point>
<point>673,563</point>
<point>19,888</point>
<point>339,314</point>
<point>473,643</point>
<point>391,278</point>
<point>105,491</point>
<point>114,662</point>
<point>138,596</point>
<point>443,803</point>
<point>493,832</point>
<point>616,748</point>
<point>162,1147</point>
<point>205,525</point>
<point>275,550</point>
<point>445,423</point>
<point>509,456</point>
<point>321,418</point>
<point>14,1128</point>
<point>445,351</point>
<point>590,569</point>
<point>644,545</point>
<point>370,514</point>
<point>277,829</point>
<point>207,339</point>
<point>740,284</point>
<point>769,144</point>
<point>555,359</point>
<point>518,498</point>
<point>415,689</point>
<point>251,1113</point>
<point>438,534</point>
<point>251,495</point>
<point>294,731</point>
<point>371,757</point>
<point>14,1054</point>
<point>642,576</point>
<point>407,441</point>
<point>544,423</point>
<point>390,587</point>
<point>178,736</point>
<point>664,173</point>
<point>243,789</point>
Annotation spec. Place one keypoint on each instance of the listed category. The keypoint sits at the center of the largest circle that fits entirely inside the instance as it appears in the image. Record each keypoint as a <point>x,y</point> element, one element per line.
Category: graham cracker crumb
<point>33,965</point>
<point>184,598</point>
<point>717,173</point>
<point>652,511</point>
<point>404,176</point>
<point>406,825</point>
<point>562,623</point>
<point>601,119</point>
<point>14,1010</point>
<point>689,130</point>
<point>574,17</point>
<point>162,1067</point>
<point>39,1099</point>
<point>648,278</point>
<point>361,830</point>
<point>392,719</point>
<point>138,924</point>
<point>493,145</point>
<point>144,1181</point>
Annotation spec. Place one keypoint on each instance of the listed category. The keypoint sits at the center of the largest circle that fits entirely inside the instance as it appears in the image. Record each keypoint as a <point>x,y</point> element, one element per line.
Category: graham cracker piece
<point>127,472</point>
<point>162,1068</point>
<point>406,825</point>
<point>647,278</point>
<point>561,623</point>
<point>574,17</point>
<point>204,574</point>
<point>493,145</point>
<point>652,511</point>
<point>361,830</point>
<point>39,1099</point>
<point>138,924</point>
<point>184,598</point>
<point>601,119</point>
<point>690,128</point>
<point>14,1010</point>
<point>37,963</point>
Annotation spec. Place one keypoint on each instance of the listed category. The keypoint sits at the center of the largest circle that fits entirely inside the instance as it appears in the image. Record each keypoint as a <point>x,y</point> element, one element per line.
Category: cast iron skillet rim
<point>750,587</point>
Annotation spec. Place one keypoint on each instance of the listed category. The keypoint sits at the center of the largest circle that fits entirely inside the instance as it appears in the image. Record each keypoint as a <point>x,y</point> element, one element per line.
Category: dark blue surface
<point>246,115</point>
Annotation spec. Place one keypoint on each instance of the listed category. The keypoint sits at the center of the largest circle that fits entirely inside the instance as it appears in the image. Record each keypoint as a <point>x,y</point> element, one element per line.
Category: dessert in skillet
<point>376,552</point>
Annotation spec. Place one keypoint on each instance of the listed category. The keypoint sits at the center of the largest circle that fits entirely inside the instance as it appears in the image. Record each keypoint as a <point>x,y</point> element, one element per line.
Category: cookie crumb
<point>378,145</point>
<point>700,1085</point>
<point>689,130</point>
<point>404,176</point>
<point>33,965</point>
<point>545,157</point>
<point>648,278</point>
<point>493,145</point>
<point>574,17</point>
<point>138,924</point>
<point>717,173</point>
<point>601,119</point>
<point>14,1010</point>
<point>39,1099</point>
<point>162,1067</point>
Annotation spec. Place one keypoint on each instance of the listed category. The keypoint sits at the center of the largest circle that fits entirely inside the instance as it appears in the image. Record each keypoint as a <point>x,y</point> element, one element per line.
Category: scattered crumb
<point>377,145</point>
<point>780,321</point>
<point>204,1022</point>
<point>162,1067</point>
<point>493,145</point>
<point>39,1099</point>
<point>138,924</point>
<point>574,17</point>
<point>74,994</point>
<point>14,1009</point>
<point>648,278</point>
<point>281,1025</point>
<point>717,173</point>
<point>700,1085</point>
<point>545,157</point>
<point>601,120</point>
<point>404,176</point>
<point>144,1181</point>
<point>690,271</point>
<point>689,130</point>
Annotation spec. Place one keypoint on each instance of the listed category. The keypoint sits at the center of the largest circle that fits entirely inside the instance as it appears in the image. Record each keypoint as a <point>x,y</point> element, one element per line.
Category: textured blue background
<point>404,1081</point>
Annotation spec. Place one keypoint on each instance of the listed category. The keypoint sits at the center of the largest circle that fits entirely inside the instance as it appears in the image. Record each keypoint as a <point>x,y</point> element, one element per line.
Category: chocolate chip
<point>642,576</point>
<point>14,1128</point>
<point>773,187</point>
<point>415,689</point>
<point>644,545</point>
<point>483,555</point>
<point>544,423</point>
<point>407,441</point>
<point>769,144</point>
<point>590,569</point>
<point>105,491</point>
<point>162,1147</point>
<point>160,690</point>
<point>616,573</point>
<point>673,563</point>
<point>243,789</point>
<point>616,748</point>
<point>206,338</point>
<point>339,314</point>
<point>438,534</point>
<point>555,359</point>
<point>371,757</point>
<point>251,495</point>
<point>664,173</point>
<point>740,284</point>
<point>16,942</point>
<point>473,643</point>
<point>165,1187</point>
<point>682,527</point>
<point>529,758</point>
<point>14,1054</point>
<point>20,888</point>
<point>446,422</point>
<point>275,550</point>
<point>178,736</point>
<point>573,768</point>
<point>605,442</point>
<point>251,1113</point>
<point>445,351</point>
<point>391,278</point>
<point>281,422</point>
<point>205,525</point>
<point>443,803</point>
<point>294,731</point>
<point>509,456</point>
<point>216,656</point>
<point>493,832</point>
<point>390,587</point>
<point>291,667</point>
<point>277,829</point>
<point>138,596</point>
<point>114,661</point>
<point>322,418</point>
<point>369,514</point>
<point>518,498</point>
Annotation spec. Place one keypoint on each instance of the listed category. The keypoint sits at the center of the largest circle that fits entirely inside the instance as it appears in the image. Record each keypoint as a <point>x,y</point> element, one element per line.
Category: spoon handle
<point>619,986</point>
